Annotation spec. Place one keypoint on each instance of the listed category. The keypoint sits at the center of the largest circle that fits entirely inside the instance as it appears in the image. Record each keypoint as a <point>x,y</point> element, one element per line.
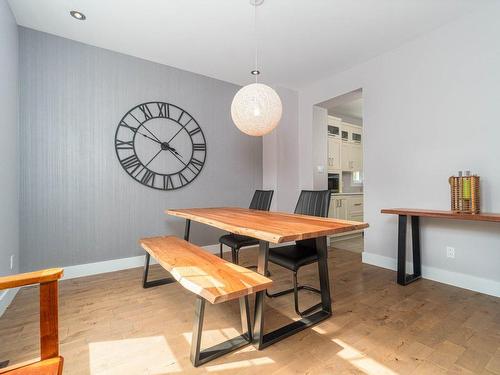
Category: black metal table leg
<point>198,356</point>
<point>403,278</point>
<point>261,339</point>
<point>149,284</point>
<point>187,229</point>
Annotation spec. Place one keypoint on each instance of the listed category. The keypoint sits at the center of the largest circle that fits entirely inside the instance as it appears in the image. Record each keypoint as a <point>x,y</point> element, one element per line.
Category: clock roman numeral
<point>124,145</point>
<point>124,124</point>
<point>146,112</point>
<point>167,182</point>
<point>194,131</point>
<point>196,165</point>
<point>182,179</point>
<point>199,147</point>
<point>179,119</point>
<point>148,177</point>
<point>162,109</point>
<point>131,163</point>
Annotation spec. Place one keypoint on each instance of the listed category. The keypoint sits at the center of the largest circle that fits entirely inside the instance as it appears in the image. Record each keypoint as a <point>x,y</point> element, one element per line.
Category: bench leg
<point>149,284</point>
<point>404,278</point>
<point>198,356</point>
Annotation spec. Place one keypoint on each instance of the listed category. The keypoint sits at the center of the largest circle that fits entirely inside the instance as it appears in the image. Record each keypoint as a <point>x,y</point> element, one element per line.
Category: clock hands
<point>148,137</point>
<point>165,145</point>
<point>175,153</point>
<point>150,132</point>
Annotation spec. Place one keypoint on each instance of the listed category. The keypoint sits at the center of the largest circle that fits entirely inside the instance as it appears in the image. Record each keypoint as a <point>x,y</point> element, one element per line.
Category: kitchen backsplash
<point>348,186</point>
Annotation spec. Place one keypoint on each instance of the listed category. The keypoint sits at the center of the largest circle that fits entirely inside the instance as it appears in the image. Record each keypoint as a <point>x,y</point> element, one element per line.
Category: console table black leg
<point>415,238</point>
<point>403,278</point>
<point>402,250</point>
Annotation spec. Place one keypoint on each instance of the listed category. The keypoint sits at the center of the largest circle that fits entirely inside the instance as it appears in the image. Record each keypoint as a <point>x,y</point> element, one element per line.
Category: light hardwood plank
<point>110,325</point>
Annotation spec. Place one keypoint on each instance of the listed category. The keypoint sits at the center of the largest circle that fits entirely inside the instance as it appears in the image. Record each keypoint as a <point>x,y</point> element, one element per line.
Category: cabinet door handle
<point>358,204</point>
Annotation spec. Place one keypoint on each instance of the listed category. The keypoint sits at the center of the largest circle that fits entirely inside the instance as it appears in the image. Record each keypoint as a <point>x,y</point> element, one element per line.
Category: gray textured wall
<point>9,185</point>
<point>77,203</point>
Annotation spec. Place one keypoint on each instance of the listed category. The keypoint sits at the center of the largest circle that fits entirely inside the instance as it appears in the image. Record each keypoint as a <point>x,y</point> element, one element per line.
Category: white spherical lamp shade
<point>256,109</point>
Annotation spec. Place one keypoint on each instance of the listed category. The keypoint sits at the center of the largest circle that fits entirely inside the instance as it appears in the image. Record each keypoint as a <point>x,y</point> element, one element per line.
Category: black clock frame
<point>166,107</point>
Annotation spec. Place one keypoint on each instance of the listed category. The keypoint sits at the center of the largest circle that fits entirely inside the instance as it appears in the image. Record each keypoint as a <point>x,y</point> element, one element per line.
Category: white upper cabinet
<point>334,154</point>
<point>345,146</point>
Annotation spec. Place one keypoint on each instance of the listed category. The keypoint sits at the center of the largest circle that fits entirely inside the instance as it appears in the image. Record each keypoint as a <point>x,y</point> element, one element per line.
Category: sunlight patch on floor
<point>145,355</point>
<point>361,361</point>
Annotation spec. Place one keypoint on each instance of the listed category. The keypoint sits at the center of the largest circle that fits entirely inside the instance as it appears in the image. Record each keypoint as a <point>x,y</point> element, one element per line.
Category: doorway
<point>338,123</point>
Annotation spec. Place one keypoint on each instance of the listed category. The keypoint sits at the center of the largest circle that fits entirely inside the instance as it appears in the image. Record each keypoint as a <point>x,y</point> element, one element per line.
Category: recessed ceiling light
<point>77,15</point>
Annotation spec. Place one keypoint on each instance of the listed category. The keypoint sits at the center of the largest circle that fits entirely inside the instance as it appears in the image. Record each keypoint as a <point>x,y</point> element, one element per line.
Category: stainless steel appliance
<point>334,182</point>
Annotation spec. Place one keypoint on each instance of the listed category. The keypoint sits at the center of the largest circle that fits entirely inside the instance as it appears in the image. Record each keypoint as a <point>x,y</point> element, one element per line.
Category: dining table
<point>275,227</point>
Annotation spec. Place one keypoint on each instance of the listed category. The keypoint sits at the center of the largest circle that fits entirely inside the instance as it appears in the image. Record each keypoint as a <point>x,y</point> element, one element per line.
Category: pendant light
<point>256,108</point>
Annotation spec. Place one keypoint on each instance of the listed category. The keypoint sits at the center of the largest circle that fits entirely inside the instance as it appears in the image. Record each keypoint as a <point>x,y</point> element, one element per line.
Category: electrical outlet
<point>450,252</point>
<point>12,261</point>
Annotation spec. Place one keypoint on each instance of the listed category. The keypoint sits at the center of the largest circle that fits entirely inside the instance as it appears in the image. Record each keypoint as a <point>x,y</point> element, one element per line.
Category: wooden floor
<point>110,325</point>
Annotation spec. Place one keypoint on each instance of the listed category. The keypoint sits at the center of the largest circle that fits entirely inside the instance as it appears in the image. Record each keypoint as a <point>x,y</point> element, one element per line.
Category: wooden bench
<point>212,279</point>
<point>50,363</point>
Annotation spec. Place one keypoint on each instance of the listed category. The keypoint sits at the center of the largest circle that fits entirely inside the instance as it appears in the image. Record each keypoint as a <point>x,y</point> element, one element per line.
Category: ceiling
<point>353,110</point>
<point>348,106</point>
<point>300,41</point>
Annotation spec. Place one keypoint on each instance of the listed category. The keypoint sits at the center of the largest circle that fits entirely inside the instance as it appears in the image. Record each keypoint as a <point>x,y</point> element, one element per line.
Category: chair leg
<point>295,290</point>
<point>235,255</point>
<point>221,252</point>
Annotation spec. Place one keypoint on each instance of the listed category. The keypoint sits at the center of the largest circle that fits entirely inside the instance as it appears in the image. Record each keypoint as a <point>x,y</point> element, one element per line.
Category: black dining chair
<point>303,252</point>
<point>261,201</point>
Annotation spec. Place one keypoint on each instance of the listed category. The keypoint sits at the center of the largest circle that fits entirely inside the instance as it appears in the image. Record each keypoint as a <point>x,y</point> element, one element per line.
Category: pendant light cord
<point>255,37</point>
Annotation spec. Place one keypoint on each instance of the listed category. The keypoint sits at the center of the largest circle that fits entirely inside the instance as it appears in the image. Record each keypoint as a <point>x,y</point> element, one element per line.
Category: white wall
<point>9,184</point>
<point>320,149</point>
<point>431,108</point>
<point>281,155</point>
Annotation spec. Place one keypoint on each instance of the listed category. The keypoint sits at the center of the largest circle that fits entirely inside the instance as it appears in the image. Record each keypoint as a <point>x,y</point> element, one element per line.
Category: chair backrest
<point>262,200</point>
<point>313,202</point>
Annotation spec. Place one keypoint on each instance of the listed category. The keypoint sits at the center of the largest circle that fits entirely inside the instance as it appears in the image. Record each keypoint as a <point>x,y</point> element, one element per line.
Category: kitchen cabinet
<point>338,208</point>
<point>356,156</point>
<point>334,154</point>
<point>352,156</point>
<point>346,207</point>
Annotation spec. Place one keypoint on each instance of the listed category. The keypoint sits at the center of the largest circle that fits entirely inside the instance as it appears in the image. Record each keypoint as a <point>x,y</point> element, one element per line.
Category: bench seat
<point>212,279</point>
<point>203,273</point>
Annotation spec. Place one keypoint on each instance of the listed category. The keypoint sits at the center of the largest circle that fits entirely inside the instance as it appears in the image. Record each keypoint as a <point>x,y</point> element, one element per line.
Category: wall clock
<point>160,145</point>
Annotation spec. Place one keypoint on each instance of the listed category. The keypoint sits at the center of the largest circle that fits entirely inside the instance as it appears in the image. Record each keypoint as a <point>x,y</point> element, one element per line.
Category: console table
<point>415,215</point>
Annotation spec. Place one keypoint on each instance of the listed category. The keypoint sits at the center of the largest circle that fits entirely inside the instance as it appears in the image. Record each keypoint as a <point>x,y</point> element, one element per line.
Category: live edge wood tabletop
<point>275,227</point>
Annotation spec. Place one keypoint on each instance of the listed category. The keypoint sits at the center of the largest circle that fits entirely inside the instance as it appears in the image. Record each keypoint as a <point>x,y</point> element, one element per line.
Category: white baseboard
<point>461,280</point>
<point>6,298</point>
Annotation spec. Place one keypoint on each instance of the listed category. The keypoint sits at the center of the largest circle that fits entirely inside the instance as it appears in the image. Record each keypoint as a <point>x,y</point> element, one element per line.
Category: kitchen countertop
<point>337,194</point>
